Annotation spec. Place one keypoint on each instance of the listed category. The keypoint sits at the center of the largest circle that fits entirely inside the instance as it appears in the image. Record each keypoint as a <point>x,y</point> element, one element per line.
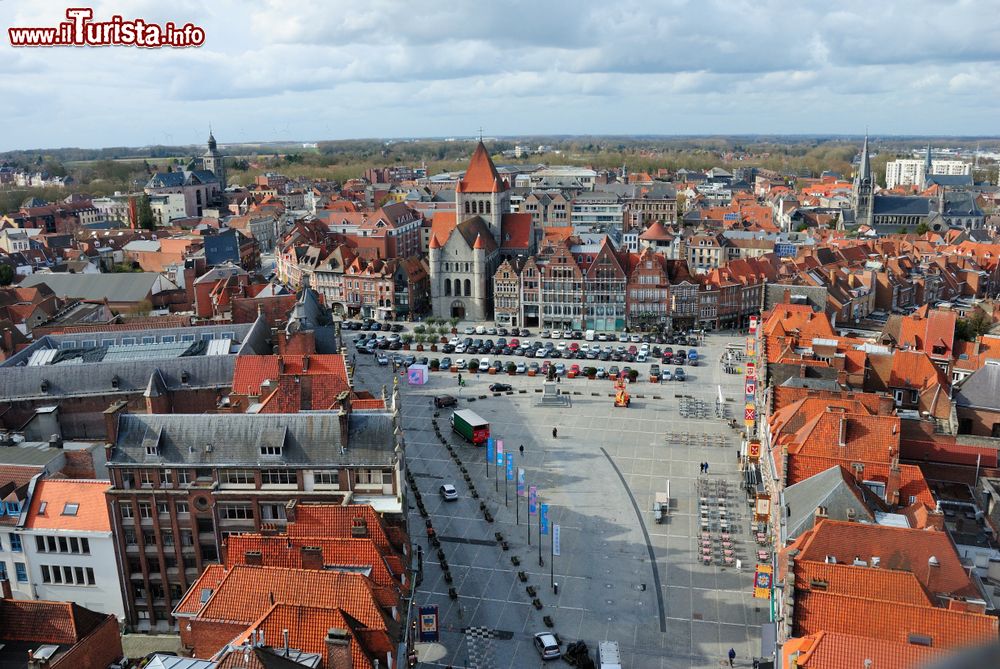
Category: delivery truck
<point>471,426</point>
<point>609,655</point>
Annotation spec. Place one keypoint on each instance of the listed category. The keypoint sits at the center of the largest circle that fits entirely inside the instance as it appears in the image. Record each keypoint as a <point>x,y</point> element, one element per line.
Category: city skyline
<point>281,72</point>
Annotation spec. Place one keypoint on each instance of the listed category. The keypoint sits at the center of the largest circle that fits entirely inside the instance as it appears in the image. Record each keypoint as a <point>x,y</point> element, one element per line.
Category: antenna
<point>480,133</point>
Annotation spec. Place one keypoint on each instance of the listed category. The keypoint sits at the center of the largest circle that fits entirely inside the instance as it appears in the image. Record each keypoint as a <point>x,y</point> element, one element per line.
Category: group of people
<point>703,467</point>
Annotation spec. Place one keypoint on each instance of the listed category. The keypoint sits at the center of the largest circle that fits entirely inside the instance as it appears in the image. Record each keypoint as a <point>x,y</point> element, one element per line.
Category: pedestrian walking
<point>460,378</point>
<point>732,656</point>
<point>555,434</point>
<point>706,467</point>
<point>522,450</point>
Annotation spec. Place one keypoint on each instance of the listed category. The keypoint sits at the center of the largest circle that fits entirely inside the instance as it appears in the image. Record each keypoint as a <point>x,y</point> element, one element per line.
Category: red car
<point>574,347</point>
<point>575,369</point>
<point>632,350</point>
<point>514,343</point>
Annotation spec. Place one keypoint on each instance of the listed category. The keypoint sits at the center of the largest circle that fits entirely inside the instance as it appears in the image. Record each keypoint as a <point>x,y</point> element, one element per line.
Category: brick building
<point>181,484</point>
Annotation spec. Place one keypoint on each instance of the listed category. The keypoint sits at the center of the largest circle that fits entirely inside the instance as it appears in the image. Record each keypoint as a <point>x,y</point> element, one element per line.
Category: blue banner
<point>428,623</point>
<point>543,519</point>
<point>489,450</point>
<point>500,453</point>
<point>532,500</point>
<point>520,482</point>
<point>510,466</point>
<point>556,543</point>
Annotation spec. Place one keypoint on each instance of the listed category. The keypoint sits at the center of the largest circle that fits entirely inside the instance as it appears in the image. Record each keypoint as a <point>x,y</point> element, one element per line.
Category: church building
<point>467,246</point>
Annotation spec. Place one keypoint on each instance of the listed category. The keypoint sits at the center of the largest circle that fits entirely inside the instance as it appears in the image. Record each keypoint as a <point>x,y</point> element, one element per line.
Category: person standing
<point>732,656</point>
<point>555,434</point>
<point>522,450</point>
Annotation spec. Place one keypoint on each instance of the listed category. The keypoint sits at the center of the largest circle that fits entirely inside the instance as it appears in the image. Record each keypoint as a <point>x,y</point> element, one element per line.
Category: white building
<point>912,172</point>
<point>67,545</point>
<point>167,207</point>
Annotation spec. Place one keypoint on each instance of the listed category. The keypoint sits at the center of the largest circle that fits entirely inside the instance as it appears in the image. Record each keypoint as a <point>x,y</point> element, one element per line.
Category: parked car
<point>601,372</point>
<point>666,375</point>
<point>521,368</point>
<point>501,387</point>
<point>469,330</point>
<point>461,363</point>
<point>382,359</point>
<point>547,646</point>
<point>448,492</point>
<point>442,401</point>
<point>679,374</point>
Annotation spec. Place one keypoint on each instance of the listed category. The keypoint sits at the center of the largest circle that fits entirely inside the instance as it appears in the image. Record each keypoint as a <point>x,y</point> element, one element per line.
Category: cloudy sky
<point>288,69</point>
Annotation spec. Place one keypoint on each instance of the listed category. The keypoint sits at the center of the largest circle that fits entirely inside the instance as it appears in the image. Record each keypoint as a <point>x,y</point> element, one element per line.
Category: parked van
<point>609,655</point>
<point>590,335</point>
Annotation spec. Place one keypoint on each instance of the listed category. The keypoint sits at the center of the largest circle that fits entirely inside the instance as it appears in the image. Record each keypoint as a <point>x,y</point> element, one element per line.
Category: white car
<point>480,329</point>
<point>460,348</point>
<point>454,341</point>
<point>602,337</point>
<point>461,364</point>
<point>556,334</point>
<point>448,492</point>
<point>635,339</point>
<point>522,368</point>
<point>584,348</point>
<point>484,364</point>
<point>541,353</point>
<point>622,337</point>
<point>547,646</point>
<point>561,346</point>
<point>601,372</point>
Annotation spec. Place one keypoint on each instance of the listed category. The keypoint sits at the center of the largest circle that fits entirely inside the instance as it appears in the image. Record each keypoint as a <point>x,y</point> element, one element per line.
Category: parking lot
<point>621,575</point>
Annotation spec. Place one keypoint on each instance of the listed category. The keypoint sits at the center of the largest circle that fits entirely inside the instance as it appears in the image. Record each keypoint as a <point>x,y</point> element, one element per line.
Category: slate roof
<point>214,371</point>
<point>236,439</point>
<point>836,491</point>
<point>981,389</point>
<point>126,287</point>
<point>901,205</point>
<point>948,180</point>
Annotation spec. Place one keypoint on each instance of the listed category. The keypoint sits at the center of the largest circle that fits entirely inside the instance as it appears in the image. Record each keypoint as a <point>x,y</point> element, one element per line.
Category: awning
<point>768,639</point>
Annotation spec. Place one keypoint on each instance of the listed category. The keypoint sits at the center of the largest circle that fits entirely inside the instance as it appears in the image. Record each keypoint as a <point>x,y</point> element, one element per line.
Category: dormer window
<point>270,451</point>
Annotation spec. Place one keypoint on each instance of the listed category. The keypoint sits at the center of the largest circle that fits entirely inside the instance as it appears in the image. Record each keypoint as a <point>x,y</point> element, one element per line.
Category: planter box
<point>531,372</point>
<point>513,373</point>
<point>591,377</point>
<point>491,371</point>
<point>420,348</point>
<point>454,369</point>
<point>570,375</point>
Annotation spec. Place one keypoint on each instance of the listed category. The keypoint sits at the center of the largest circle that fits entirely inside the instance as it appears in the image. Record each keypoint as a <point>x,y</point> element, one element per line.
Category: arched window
<point>447,288</point>
<point>468,288</point>
<point>458,286</point>
<point>467,207</point>
<point>481,207</point>
<point>487,207</point>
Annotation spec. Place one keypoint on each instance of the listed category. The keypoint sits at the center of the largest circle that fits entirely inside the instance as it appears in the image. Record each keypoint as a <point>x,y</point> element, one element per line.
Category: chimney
<point>312,557</point>
<point>842,437</point>
<point>935,519</point>
<point>111,415</point>
<point>819,514</point>
<point>338,649</point>
<point>305,364</point>
<point>933,569</point>
<point>892,484</point>
<point>5,585</point>
<point>55,441</point>
<point>802,371</point>
<point>359,528</point>
<point>281,365</point>
<point>253,558</point>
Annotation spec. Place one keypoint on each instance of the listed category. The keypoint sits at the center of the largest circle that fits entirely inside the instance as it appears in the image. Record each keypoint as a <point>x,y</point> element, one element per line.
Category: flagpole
<point>540,563</point>
<point>552,558</point>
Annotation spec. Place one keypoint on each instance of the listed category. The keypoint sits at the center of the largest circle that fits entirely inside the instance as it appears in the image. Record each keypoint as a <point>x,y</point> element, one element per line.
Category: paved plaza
<point>621,575</point>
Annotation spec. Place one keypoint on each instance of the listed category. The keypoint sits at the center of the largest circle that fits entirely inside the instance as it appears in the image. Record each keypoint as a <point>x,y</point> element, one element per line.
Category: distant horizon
<point>836,137</point>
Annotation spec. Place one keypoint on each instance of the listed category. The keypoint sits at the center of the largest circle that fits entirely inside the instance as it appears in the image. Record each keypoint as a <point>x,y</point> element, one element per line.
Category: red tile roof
<point>890,621</point>
<point>246,593</point>
<point>515,231</point>
<point>307,627</point>
<point>481,175</point>
<point>209,580</point>
<point>316,388</point>
<point>90,515</point>
<point>286,551</point>
<point>897,548</point>
<point>328,520</point>
<point>46,622</point>
<point>869,582</point>
<point>832,650</point>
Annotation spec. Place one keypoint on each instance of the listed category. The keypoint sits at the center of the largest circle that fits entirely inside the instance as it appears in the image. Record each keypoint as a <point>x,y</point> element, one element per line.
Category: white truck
<point>608,655</point>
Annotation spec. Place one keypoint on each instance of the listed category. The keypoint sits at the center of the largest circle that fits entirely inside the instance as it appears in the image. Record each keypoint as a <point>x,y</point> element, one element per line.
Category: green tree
<point>923,228</point>
<point>6,275</point>
<point>975,325</point>
<point>146,218</point>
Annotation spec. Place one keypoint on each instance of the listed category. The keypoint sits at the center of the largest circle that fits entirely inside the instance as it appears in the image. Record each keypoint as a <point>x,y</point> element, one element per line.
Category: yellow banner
<point>762,582</point>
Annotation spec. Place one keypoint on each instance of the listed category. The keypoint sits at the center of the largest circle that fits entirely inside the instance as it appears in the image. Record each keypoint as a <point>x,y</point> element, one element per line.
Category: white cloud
<point>282,69</point>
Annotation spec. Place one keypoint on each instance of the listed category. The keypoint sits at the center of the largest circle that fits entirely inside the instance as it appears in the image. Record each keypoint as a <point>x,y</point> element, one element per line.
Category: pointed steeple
<point>865,167</point>
<point>212,145</point>
<point>434,244</point>
<point>480,244</point>
<point>927,161</point>
<point>481,176</point>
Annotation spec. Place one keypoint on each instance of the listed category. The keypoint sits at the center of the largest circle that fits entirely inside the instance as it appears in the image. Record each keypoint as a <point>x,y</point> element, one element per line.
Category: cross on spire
<point>480,133</point>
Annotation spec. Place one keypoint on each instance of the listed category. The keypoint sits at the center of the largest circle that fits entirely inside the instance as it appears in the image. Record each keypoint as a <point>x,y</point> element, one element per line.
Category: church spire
<point>865,168</point>
<point>927,160</point>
